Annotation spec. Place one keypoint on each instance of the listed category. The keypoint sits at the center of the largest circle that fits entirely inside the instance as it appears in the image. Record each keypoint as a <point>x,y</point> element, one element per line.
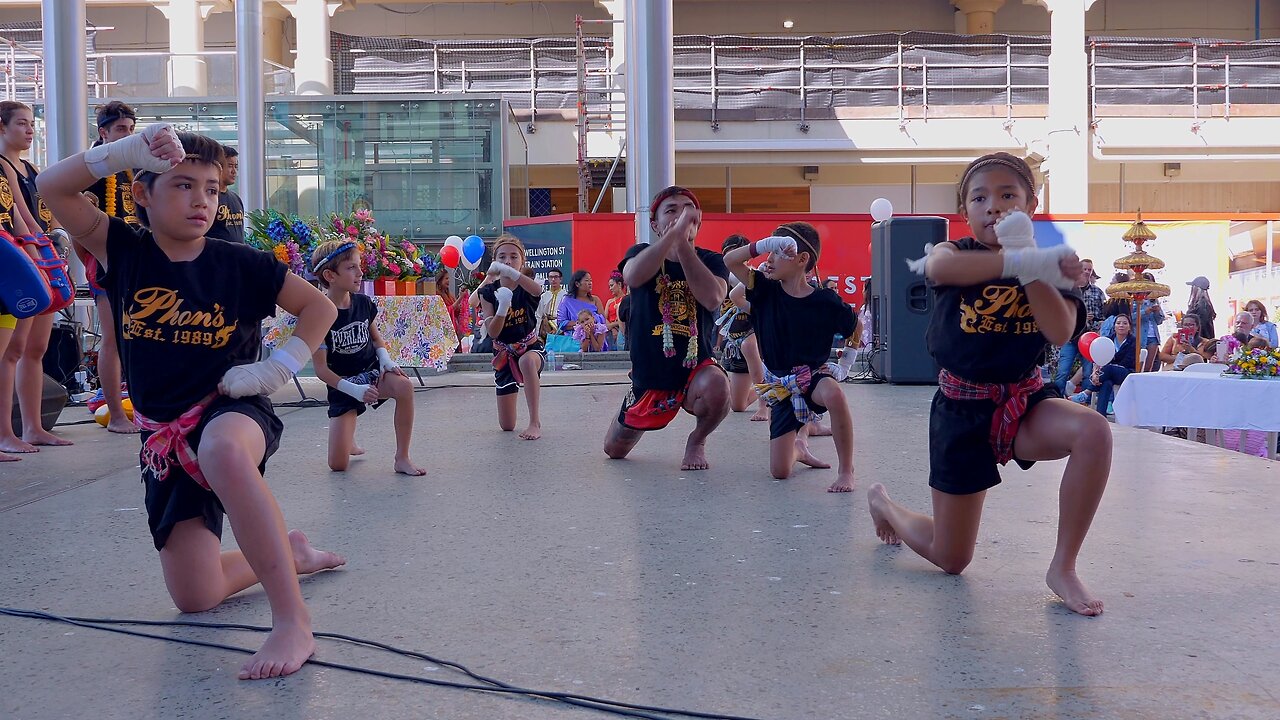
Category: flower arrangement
<point>1254,363</point>
<point>288,237</point>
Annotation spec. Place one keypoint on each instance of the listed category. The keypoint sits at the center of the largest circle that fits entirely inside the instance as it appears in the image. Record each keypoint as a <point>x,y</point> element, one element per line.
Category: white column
<point>651,135</point>
<point>979,15</point>
<point>1067,162</point>
<point>250,108</point>
<point>312,66</point>
<point>188,72</point>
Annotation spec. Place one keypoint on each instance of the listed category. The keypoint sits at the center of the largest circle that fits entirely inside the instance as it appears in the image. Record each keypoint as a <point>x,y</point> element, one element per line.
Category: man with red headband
<point>676,291</point>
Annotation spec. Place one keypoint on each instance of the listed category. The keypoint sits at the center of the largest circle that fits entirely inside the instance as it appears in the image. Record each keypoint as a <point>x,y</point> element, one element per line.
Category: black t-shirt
<point>122,205</point>
<point>795,331</point>
<point>348,342</point>
<point>650,369</point>
<point>521,318</point>
<point>181,325</point>
<point>31,195</point>
<point>986,332</point>
<point>624,309</point>
<point>228,221</point>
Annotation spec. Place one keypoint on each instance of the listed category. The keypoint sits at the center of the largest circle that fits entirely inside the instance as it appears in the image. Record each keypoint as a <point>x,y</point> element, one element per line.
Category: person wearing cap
<point>114,196</point>
<point>228,221</point>
<point>1200,304</point>
<point>676,293</point>
<point>509,300</point>
<point>1094,299</point>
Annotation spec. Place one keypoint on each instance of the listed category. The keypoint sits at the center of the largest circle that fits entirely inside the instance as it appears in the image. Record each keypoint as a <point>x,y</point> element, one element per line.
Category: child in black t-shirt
<point>739,348</point>
<point>998,300</point>
<point>509,300</point>
<point>354,362</point>
<point>795,324</point>
<point>187,312</point>
<point>676,291</point>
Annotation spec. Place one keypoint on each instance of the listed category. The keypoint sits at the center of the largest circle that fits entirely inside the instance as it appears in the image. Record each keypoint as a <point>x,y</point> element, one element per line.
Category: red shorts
<point>655,409</point>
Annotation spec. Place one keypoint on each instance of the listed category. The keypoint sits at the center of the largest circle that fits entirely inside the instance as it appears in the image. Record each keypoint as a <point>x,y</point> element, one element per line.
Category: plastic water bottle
<point>551,360</point>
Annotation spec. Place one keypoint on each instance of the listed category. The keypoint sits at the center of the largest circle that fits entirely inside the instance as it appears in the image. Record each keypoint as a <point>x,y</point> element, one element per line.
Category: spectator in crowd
<point>550,303</point>
<point>459,309</point>
<point>1152,317</point>
<point>1107,378</point>
<point>617,292</point>
<point>589,332</point>
<point>864,317</point>
<point>1241,336</point>
<point>1094,299</point>
<point>831,284</point>
<point>578,299</point>
<point>228,220</point>
<point>1200,304</point>
<point>1184,347</point>
<point>1262,327</point>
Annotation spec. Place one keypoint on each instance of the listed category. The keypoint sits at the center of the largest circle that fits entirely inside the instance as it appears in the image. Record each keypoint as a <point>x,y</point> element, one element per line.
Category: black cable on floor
<point>491,685</point>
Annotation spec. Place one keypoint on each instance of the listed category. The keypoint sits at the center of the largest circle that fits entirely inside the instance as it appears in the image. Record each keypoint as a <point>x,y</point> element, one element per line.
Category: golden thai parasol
<point>1138,289</point>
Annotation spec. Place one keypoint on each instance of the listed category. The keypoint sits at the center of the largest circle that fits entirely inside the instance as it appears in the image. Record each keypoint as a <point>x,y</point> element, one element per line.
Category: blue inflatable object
<point>473,248</point>
<point>23,290</point>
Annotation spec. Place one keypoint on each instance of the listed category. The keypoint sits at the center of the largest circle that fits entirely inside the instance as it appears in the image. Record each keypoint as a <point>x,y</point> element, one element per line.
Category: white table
<point>1199,400</point>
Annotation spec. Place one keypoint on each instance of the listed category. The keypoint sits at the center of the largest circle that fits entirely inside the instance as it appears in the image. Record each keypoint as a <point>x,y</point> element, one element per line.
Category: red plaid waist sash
<point>1011,405</point>
<point>168,441</point>
<point>509,354</point>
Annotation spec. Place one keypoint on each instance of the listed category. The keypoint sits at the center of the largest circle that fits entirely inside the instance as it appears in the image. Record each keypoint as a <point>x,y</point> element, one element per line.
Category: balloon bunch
<point>1097,349</point>
<point>467,252</point>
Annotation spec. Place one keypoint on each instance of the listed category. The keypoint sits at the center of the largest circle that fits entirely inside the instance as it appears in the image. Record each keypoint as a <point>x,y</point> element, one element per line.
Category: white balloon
<point>1102,350</point>
<point>455,241</point>
<point>881,209</point>
<point>468,264</point>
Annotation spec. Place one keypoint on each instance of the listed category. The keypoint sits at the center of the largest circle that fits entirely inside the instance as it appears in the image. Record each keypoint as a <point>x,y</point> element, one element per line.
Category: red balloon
<point>449,256</point>
<point>1084,342</point>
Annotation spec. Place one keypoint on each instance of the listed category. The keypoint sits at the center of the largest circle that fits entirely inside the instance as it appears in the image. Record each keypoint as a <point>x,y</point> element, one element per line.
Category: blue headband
<point>341,249</point>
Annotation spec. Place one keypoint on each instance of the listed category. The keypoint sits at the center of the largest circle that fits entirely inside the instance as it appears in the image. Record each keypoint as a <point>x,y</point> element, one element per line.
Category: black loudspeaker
<point>901,301</point>
<point>62,359</point>
<point>53,398</point>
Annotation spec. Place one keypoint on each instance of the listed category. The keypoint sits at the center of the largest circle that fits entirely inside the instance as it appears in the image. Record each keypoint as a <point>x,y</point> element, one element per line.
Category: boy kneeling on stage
<point>187,311</point>
<point>353,360</point>
<point>795,324</point>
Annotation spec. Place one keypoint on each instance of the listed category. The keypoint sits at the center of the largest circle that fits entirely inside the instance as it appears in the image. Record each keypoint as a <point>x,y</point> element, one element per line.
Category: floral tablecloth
<point>417,330</point>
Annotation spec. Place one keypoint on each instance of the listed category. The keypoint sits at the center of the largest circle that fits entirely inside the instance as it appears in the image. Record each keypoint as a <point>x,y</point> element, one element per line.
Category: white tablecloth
<point>1187,399</point>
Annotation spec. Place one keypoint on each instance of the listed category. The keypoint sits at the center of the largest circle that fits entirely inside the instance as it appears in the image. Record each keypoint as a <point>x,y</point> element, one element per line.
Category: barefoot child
<point>739,352</point>
<point>187,312</point>
<point>509,300</point>
<point>796,324</point>
<point>353,360</point>
<point>998,303</point>
<point>676,289</point>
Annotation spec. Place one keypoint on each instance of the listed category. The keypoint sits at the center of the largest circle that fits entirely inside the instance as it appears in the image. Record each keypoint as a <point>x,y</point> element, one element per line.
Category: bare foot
<point>843,483</point>
<point>1066,585</point>
<point>405,466</point>
<point>15,444</point>
<point>357,450</point>
<point>762,414</point>
<point>307,559</point>
<point>817,429</point>
<point>42,437</point>
<point>533,432</point>
<point>286,649</point>
<point>804,457</point>
<point>876,497</point>
<point>5,457</point>
<point>123,426</point>
<point>695,456</point>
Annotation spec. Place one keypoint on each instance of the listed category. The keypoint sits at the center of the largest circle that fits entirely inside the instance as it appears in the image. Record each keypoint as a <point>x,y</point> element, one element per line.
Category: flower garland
<point>668,317</point>
<point>113,187</point>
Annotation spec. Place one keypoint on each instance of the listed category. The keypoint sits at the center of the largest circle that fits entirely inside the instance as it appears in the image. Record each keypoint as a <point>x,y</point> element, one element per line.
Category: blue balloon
<point>473,248</point>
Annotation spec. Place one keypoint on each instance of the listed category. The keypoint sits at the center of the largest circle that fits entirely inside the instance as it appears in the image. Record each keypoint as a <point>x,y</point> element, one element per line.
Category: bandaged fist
<point>504,270</point>
<point>503,296</point>
<point>1041,264</point>
<point>385,363</point>
<point>155,149</point>
<point>1015,231</point>
<point>776,244</point>
<point>266,376</point>
<point>367,394</point>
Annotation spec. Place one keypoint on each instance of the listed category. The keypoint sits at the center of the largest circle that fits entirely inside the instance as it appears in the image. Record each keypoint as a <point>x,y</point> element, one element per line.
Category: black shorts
<point>961,460</point>
<point>731,357</point>
<point>505,380</point>
<point>782,416</point>
<point>179,497</point>
<point>341,403</point>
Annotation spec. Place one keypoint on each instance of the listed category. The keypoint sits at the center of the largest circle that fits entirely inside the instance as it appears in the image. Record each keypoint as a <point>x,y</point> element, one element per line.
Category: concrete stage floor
<point>547,566</point>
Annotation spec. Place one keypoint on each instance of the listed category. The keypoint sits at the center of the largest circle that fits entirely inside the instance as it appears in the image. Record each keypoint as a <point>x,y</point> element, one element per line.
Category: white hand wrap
<point>385,363</point>
<point>1015,231</point>
<point>776,243</point>
<point>504,270</point>
<point>135,153</point>
<point>267,376</point>
<point>1031,264</point>
<point>352,389</point>
<point>503,296</point>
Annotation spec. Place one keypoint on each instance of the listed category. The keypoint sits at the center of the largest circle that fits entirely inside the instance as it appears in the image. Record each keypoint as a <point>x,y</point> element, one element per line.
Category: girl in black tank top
<point>30,194</point>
